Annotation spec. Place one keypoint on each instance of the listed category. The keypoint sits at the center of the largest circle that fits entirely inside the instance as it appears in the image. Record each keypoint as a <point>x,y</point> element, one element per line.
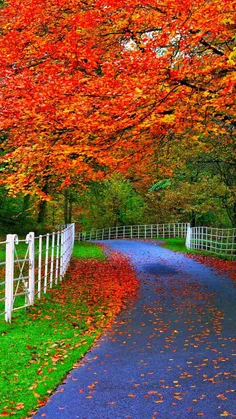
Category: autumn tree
<point>89,88</point>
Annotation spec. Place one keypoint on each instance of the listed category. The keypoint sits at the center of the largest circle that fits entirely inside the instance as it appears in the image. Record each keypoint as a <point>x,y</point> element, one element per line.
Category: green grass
<point>178,244</point>
<point>81,250</point>
<point>87,250</point>
<point>21,250</point>
<point>40,347</point>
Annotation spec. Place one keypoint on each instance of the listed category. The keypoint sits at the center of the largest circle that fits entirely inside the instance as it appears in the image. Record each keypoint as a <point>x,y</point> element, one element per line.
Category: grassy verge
<point>81,250</point>
<point>87,250</point>
<point>178,245</point>
<point>40,347</point>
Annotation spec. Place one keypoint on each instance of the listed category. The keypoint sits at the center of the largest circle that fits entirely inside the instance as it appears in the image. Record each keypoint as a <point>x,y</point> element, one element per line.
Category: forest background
<point>117,112</point>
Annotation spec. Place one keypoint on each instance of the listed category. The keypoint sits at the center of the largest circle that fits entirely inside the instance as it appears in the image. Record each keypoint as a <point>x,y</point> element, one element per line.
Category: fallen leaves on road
<point>222,266</point>
<point>109,284</point>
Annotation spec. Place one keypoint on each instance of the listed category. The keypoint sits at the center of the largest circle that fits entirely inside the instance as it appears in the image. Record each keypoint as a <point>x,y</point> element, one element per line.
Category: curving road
<point>171,355</point>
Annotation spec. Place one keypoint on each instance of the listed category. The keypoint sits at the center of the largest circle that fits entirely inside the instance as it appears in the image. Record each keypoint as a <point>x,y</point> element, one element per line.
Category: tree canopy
<point>89,87</point>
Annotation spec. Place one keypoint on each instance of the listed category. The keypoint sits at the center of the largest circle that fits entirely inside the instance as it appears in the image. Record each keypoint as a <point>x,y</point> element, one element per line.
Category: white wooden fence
<point>29,267</point>
<point>136,231</point>
<point>214,240</point>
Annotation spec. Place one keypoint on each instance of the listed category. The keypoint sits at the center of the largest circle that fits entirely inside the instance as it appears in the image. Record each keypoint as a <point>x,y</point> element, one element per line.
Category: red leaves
<point>106,284</point>
<point>222,266</point>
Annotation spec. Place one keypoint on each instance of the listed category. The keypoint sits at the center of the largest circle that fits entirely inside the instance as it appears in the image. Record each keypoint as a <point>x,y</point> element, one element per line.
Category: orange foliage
<point>90,87</point>
<point>110,285</point>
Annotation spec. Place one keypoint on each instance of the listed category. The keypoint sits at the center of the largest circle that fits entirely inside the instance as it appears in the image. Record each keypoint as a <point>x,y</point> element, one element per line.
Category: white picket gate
<point>32,266</point>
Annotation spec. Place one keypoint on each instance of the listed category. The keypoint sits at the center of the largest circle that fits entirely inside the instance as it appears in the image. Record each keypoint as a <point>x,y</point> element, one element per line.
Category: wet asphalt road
<point>171,355</point>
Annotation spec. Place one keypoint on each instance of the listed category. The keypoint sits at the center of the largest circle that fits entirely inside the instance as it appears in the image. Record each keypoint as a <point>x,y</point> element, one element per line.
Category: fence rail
<point>136,231</point>
<point>31,266</point>
<point>214,240</point>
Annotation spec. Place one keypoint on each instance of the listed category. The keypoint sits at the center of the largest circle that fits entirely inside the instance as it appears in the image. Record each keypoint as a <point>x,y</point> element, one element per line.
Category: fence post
<point>61,254</point>
<point>39,266</point>
<point>52,260</point>
<point>46,265</point>
<point>30,241</point>
<point>72,226</point>
<point>188,237</point>
<point>73,238</point>
<point>233,243</point>
<point>9,276</point>
<point>57,256</point>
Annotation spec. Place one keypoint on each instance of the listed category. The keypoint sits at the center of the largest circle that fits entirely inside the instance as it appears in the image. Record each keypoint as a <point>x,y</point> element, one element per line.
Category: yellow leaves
<point>36,395</point>
<point>232,57</point>
<point>20,406</point>
<point>135,17</point>
<point>178,396</point>
<point>93,385</point>
<point>138,91</point>
<point>221,397</point>
<point>168,119</point>
<point>55,359</point>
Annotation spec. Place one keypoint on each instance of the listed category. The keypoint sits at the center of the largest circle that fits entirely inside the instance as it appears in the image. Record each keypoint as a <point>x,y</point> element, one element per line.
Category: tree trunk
<point>42,209</point>
<point>70,209</point>
<point>66,206</point>
<point>26,203</point>
<point>193,219</point>
<point>25,208</point>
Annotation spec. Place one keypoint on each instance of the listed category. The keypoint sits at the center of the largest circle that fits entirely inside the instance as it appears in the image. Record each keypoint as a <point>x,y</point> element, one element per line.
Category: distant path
<point>171,355</point>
